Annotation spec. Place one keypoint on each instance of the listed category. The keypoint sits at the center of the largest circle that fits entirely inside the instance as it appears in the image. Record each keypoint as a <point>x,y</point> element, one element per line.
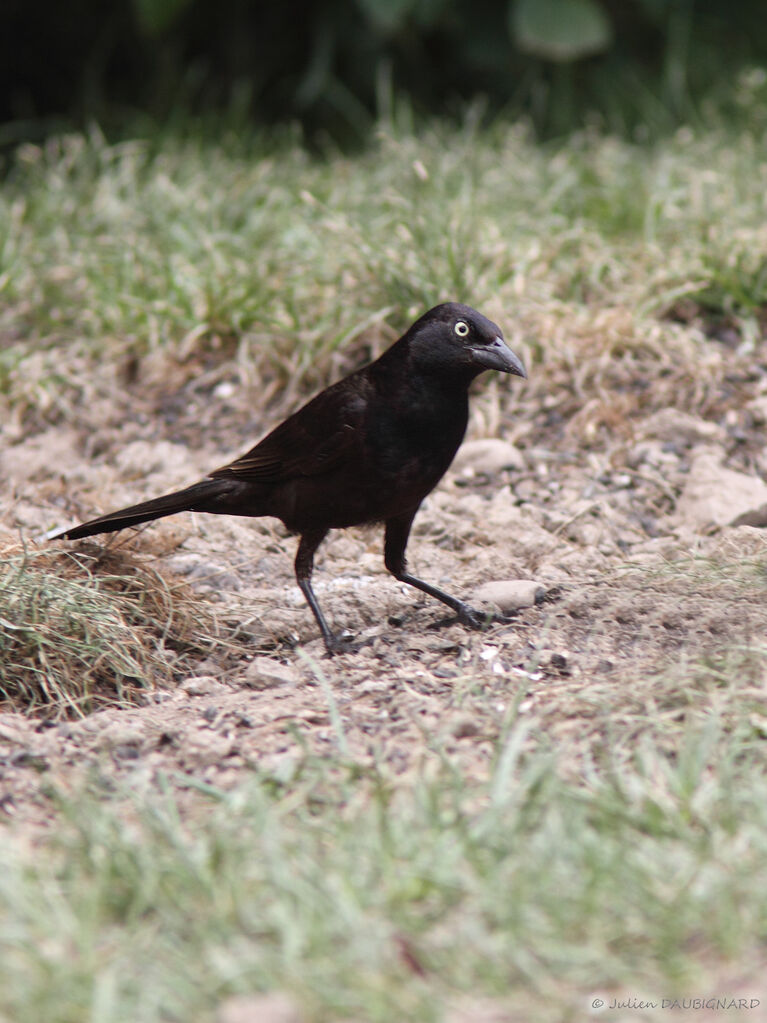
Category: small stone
<point>670,424</point>
<point>15,730</point>
<point>199,685</point>
<point>28,758</point>
<point>756,518</point>
<point>126,751</point>
<point>716,495</point>
<point>511,594</point>
<point>264,672</point>
<point>120,737</point>
<point>445,673</point>
<point>273,1008</point>
<point>487,457</point>
<point>8,804</point>
<point>371,687</point>
<point>464,727</point>
<point>205,748</point>
<point>559,661</point>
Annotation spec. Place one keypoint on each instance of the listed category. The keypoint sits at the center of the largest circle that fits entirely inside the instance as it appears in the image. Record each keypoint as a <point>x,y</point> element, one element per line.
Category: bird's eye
<point>461,328</point>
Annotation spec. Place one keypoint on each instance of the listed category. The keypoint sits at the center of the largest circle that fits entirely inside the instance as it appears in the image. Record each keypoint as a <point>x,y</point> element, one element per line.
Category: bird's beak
<point>498,355</point>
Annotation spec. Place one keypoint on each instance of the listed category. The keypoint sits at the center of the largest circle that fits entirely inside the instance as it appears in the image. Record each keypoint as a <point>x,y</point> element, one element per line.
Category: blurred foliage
<point>335,66</point>
<point>559,30</point>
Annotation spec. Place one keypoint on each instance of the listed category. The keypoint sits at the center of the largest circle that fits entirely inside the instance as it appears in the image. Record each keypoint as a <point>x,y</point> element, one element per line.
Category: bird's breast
<point>403,449</point>
<point>416,439</point>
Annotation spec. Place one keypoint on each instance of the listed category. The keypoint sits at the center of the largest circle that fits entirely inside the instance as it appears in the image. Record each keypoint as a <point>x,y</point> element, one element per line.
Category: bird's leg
<point>304,565</point>
<point>395,542</point>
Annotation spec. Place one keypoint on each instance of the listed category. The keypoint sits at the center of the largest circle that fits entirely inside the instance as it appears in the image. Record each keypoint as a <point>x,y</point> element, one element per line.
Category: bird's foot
<point>472,618</point>
<point>339,643</point>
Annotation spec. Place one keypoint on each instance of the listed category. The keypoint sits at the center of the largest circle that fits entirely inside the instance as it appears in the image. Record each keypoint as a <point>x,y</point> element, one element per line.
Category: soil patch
<point>644,581</point>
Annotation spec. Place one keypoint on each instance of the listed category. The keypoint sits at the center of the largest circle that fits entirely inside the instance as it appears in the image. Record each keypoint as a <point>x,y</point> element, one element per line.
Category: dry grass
<point>601,817</point>
<point>87,629</point>
<point>275,272</point>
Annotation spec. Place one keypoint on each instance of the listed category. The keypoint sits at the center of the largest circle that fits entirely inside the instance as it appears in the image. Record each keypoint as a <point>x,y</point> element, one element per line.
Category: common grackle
<point>367,449</point>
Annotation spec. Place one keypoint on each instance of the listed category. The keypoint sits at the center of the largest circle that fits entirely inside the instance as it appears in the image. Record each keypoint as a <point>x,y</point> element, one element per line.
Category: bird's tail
<point>207,495</point>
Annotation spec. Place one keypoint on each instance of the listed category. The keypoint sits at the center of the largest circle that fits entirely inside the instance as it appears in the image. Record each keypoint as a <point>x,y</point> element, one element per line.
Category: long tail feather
<point>198,497</point>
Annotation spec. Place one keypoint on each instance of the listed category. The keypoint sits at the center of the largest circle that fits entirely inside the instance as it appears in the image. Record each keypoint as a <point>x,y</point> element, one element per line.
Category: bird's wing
<point>312,441</point>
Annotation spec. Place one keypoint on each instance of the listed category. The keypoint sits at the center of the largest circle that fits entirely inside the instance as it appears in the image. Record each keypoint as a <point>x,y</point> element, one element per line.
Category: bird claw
<point>339,643</point>
<point>474,619</point>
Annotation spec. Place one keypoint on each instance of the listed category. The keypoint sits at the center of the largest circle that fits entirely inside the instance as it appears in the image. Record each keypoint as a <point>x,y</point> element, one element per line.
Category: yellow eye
<point>461,328</point>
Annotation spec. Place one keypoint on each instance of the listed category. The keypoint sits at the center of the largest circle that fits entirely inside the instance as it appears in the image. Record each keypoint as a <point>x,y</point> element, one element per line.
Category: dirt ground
<point>629,537</point>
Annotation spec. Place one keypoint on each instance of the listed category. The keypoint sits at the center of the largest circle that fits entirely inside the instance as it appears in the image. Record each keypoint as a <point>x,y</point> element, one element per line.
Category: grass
<point>291,268</point>
<point>616,841</point>
<point>615,846</point>
<point>80,632</point>
<point>368,900</point>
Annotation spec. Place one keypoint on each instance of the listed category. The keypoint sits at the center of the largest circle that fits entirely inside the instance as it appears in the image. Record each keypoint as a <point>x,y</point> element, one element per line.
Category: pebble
<point>487,457</point>
<point>464,727</point>
<point>757,518</point>
<point>204,748</point>
<point>670,424</point>
<point>511,594</point>
<point>264,672</point>
<point>199,685</point>
<point>119,736</point>
<point>715,494</point>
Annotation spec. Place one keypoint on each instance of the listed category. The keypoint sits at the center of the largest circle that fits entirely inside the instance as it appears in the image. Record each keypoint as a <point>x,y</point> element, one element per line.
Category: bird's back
<point>372,445</point>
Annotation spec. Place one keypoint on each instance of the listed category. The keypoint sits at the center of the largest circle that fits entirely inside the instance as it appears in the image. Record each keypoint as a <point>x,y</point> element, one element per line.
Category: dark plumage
<point>367,449</point>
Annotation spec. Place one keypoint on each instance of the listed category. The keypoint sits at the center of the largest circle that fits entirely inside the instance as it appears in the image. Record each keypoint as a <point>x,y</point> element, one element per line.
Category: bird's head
<point>456,339</point>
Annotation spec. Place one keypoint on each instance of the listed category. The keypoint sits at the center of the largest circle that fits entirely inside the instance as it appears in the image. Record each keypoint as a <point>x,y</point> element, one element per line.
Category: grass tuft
<point>73,639</point>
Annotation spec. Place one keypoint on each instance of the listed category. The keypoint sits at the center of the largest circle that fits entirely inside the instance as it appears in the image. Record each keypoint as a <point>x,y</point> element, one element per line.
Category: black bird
<point>367,449</point>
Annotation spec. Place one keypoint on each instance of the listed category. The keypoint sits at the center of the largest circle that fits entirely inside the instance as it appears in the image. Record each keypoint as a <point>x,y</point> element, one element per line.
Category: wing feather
<point>315,439</point>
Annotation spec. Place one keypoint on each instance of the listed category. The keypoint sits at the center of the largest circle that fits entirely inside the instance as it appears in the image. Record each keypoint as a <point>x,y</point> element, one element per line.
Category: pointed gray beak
<point>498,355</point>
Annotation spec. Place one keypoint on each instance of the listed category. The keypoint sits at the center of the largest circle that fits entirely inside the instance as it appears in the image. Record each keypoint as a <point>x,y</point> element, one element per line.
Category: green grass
<point>373,901</point>
<point>620,843</point>
<point>292,264</point>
